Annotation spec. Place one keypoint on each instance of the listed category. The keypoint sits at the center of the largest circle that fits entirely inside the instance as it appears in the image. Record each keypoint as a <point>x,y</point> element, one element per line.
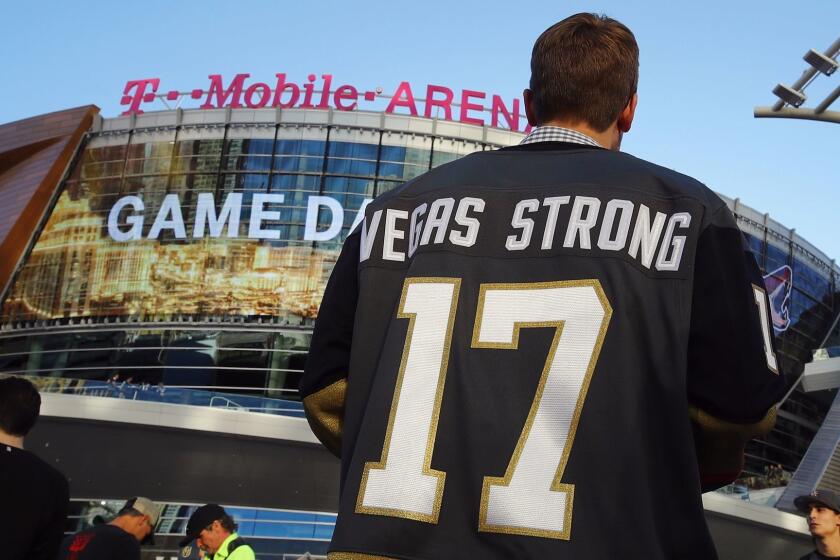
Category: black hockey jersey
<point>517,352</point>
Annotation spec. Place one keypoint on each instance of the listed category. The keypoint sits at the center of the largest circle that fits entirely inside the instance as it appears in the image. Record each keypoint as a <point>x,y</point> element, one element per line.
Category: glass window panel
<point>248,163</point>
<point>351,167</point>
<point>194,182</point>
<point>203,164</point>
<point>391,170</point>
<point>246,183</point>
<point>348,185</point>
<point>148,166</point>
<point>776,257</point>
<point>252,182</point>
<point>98,169</point>
<point>756,246</point>
<point>301,182</point>
<point>354,150</point>
<point>339,166</point>
<point>811,281</point>
<point>439,158</point>
<point>100,195</point>
<point>300,147</point>
<point>249,154</point>
<point>257,146</point>
<point>199,147</point>
<point>197,156</point>
<point>385,186</point>
<point>105,153</point>
<point>412,171</point>
<point>292,164</point>
<point>144,185</point>
<point>323,532</point>
<point>393,153</point>
<point>352,158</point>
<point>275,515</point>
<point>150,150</point>
<point>358,167</point>
<point>416,156</point>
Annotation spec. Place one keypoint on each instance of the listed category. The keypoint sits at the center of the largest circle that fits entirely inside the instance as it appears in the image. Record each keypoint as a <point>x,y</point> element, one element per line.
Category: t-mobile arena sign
<point>466,106</point>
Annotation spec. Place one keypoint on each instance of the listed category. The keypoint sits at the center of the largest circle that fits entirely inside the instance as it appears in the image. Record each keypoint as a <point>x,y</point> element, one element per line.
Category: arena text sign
<point>465,106</point>
<point>127,217</point>
<point>425,224</point>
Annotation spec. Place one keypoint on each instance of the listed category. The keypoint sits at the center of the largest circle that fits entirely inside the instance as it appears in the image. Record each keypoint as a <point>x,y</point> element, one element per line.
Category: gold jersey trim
<point>325,413</point>
<point>720,445</point>
<point>355,556</point>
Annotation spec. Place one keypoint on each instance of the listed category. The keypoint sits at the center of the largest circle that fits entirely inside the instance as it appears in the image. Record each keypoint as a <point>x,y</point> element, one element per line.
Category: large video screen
<point>195,230</point>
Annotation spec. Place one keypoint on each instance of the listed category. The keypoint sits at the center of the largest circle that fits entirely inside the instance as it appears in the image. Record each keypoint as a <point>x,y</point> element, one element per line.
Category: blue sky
<point>704,66</point>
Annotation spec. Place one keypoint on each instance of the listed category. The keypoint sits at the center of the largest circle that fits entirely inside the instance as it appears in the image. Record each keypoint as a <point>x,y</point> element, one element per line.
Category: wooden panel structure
<point>34,154</point>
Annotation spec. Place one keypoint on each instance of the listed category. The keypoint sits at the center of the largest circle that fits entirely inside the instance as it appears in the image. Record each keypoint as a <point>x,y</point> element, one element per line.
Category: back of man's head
<point>584,68</point>
<point>20,405</point>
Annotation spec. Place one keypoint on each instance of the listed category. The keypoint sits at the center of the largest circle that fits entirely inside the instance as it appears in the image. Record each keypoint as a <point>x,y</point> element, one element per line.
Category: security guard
<point>214,532</point>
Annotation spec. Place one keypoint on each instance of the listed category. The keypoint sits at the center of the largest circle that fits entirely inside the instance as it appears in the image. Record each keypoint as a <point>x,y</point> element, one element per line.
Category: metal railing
<point>181,394</point>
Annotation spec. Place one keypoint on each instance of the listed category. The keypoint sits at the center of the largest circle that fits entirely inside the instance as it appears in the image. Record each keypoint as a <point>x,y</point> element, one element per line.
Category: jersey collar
<point>558,134</point>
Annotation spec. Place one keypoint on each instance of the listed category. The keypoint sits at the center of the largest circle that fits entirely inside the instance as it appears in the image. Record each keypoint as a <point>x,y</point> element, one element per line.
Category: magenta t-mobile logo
<point>140,95</point>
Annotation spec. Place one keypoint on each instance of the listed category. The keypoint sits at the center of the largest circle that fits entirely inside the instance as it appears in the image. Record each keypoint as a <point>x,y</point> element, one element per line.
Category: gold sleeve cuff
<point>325,413</point>
<point>354,556</point>
<point>720,445</point>
<point>716,428</point>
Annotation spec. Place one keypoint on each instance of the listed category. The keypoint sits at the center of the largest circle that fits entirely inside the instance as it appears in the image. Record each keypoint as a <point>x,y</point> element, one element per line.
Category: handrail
<point>162,348</point>
<point>209,388</point>
<point>191,395</point>
<point>227,401</point>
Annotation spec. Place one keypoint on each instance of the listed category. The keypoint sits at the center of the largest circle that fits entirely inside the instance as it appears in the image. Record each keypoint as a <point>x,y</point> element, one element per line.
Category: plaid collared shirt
<point>558,134</point>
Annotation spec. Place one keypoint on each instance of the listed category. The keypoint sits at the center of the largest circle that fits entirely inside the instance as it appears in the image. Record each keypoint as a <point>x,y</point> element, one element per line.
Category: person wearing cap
<point>214,532</point>
<point>34,495</point>
<point>823,509</point>
<point>118,540</point>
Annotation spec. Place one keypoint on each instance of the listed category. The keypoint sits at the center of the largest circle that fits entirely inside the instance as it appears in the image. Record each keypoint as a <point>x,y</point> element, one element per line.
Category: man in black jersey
<point>526,346</point>
<point>34,495</point>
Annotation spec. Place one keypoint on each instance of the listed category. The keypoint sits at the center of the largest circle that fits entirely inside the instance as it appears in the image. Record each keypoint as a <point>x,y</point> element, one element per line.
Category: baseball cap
<point>820,496</point>
<point>201,518</point>
<point>146,507</point>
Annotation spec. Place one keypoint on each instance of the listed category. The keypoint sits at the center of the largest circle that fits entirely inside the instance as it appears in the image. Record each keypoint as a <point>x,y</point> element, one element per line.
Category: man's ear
<point>530,110</point>
<point>625,118</point>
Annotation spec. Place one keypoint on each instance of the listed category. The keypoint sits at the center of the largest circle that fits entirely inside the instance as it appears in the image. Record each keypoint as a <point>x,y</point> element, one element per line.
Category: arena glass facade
<point>802,284</point>
<point>233,310</point>
<point>150,273</point>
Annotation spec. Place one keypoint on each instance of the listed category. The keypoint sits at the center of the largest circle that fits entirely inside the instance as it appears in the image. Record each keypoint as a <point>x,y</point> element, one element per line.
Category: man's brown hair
<point>20,405</point>
<point>586,68</point>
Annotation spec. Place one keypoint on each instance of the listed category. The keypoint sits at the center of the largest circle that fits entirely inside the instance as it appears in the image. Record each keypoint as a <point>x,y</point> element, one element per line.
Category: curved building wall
<point>802,284</point>
<point>191,249</point>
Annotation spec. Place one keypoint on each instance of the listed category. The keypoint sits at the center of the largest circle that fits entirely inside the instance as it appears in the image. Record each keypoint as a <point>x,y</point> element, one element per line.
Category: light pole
<point>791,99</point>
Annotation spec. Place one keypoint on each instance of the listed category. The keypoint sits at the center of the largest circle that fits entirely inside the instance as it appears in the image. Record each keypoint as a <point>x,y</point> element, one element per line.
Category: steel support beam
<point>791,113</point>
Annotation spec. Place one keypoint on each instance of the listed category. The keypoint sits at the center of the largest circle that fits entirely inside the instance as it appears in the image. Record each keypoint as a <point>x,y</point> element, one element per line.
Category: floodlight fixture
<point>789,95</point>
<point>791,98</point>
<point>821,62</point>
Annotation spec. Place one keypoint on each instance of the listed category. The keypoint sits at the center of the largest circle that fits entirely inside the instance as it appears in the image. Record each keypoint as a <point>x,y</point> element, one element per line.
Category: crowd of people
<point>35,500</point>
<point>210,529</point>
